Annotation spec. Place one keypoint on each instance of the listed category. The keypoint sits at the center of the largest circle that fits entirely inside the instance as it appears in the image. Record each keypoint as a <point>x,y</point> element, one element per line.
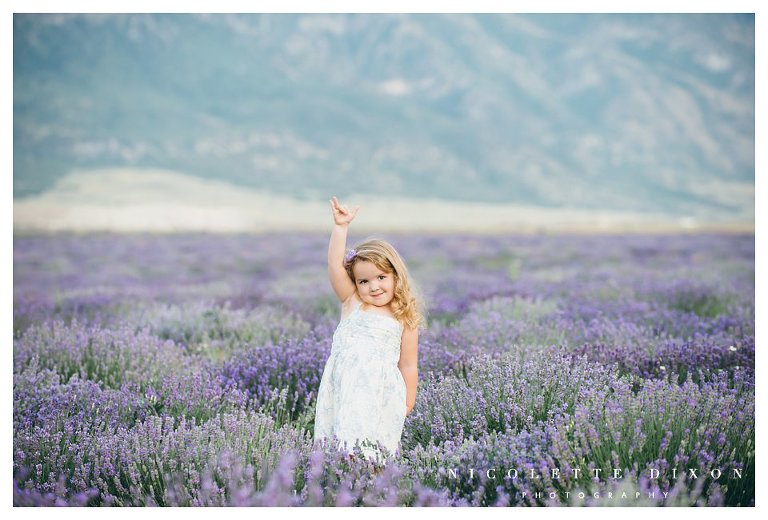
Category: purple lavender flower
<point>182,370</point>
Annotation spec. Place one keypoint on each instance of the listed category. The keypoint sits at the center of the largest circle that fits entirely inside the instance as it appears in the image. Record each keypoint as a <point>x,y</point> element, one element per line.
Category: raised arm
<point>342,285</point>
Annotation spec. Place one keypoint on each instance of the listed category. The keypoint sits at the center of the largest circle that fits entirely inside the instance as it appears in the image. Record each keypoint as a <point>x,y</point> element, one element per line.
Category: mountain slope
<point>650,113</point>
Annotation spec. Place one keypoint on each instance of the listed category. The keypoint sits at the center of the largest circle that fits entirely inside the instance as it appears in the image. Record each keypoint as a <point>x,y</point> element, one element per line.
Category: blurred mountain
<point>641,113</point>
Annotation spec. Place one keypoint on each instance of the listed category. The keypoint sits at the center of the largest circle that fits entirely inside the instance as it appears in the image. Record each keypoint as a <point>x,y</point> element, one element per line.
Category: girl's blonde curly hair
<point>407,303</point>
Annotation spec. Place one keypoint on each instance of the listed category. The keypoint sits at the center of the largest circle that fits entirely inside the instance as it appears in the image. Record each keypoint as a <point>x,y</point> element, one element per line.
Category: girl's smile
<point>373,285</point>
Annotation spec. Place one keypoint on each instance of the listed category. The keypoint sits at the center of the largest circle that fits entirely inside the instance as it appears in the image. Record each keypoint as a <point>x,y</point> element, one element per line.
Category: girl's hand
<point>342,216</point>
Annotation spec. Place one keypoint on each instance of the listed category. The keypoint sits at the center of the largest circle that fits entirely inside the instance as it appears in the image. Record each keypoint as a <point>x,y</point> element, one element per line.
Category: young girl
<point>369,381</point>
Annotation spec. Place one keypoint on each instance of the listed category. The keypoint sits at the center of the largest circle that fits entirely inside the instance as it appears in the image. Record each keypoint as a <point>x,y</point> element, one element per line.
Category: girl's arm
<point>342,285</point>
<point>408,365</point>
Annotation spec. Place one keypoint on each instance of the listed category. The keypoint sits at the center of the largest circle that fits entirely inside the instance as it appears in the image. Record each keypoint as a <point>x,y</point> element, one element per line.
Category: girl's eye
<point>381,277</point>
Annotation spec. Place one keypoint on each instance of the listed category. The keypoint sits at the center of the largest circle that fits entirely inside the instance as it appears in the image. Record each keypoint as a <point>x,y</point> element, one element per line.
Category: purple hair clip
<point>350,255</point>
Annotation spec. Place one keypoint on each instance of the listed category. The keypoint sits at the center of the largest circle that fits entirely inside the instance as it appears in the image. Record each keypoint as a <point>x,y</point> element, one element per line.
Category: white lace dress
<point>362,392</point>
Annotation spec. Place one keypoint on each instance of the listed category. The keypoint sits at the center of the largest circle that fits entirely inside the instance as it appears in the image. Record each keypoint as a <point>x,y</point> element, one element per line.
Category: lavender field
<point>183,369</point>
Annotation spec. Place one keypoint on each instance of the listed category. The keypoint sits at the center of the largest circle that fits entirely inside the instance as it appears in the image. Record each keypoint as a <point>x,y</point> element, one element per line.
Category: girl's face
<point>374,286</point>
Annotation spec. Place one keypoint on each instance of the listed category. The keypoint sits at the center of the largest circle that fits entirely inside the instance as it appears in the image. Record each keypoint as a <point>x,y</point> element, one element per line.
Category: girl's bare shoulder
<point>348,305</point>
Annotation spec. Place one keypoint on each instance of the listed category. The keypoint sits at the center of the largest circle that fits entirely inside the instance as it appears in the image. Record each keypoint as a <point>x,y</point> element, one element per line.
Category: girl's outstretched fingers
<point>341,212</point>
